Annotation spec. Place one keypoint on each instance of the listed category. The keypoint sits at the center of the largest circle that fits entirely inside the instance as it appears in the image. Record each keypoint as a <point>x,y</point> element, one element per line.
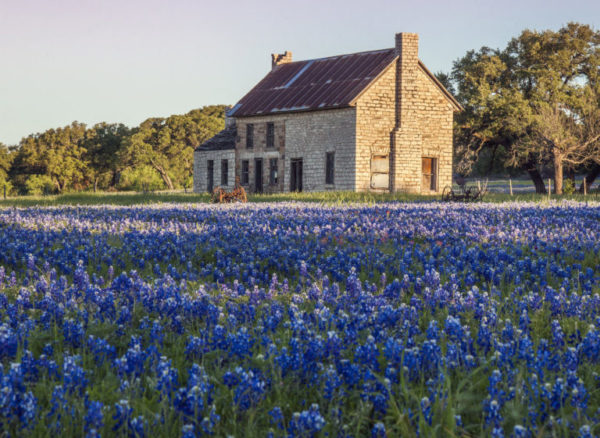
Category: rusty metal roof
<point>314,84</point>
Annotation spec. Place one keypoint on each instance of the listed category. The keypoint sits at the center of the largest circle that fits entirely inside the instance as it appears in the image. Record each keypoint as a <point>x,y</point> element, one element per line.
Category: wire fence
<point>521,185</point>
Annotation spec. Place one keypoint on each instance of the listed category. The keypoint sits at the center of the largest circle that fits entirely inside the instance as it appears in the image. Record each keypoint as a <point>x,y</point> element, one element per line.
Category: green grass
<point>132,198</point>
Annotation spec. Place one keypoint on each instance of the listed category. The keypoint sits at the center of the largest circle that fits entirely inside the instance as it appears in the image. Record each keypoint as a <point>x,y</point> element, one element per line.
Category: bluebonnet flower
<point>74,377</point>
<point>378,431</point>
<point>167,377</point>
<point>94,418</point>
<point>9,342</point>
<point>249,387</point>
<point>276,417</point>
<point>73,333</point>
<point>306,423</point>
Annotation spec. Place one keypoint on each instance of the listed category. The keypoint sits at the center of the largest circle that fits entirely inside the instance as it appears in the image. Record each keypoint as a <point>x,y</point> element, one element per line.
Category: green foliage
<point>40,185</point>
<point>110,156</point>
<point>168,144</point>
<point>569,187</point>
<point>102,144</point>
<point>142,178</point>
<point>538,99</point>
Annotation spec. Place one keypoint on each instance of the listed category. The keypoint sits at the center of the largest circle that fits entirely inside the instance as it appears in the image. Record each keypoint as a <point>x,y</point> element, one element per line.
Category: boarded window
<point>380,172</point>
<point>224,172</point>
<point>429,171</point>
<point>245,172</point>
<point>329,167</point>
<point>270,135</point>
<point>273,174</point>
<point>249,135</point>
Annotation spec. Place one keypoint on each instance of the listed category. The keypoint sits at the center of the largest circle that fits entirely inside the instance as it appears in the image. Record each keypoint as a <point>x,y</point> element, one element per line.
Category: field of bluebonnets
<point>301,320</point>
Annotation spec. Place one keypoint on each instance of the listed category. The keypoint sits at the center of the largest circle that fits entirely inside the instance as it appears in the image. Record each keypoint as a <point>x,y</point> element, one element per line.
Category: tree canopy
<point>77,157</point>
<point>537,101</point>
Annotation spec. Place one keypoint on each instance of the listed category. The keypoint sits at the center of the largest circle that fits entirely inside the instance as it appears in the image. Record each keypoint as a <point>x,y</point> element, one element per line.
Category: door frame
<point>258,175</point>
<point>296,174</point>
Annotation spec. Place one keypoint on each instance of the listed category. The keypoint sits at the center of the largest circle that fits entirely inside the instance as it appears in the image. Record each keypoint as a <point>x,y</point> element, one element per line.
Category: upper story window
<point>249,135</point>
<point>270,135</point>
<point>329,167</point>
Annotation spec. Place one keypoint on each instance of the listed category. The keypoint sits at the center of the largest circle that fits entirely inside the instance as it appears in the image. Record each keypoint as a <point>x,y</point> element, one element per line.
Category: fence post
<point>510,186</point>
<point>478,185</point>
<point>5,192</point>
<point>584,187</point>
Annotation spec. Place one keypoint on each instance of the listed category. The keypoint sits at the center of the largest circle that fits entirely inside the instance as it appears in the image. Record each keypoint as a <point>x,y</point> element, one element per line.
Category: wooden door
<point>429,172</point>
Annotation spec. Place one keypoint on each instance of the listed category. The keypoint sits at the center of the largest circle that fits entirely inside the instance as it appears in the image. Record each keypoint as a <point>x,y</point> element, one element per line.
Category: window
<point>329,166</point>
<point>224,172</point>
<point>245,172</point>
<point>210,166</point>
<point>249,136</point>
<point>270,135</point>
<point>429,171</point>
<point>273,177</point>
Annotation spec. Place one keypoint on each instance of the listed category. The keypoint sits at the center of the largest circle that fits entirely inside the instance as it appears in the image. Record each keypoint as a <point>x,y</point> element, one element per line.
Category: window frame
<point>245,172</point>
<point>273,171</point>
<point>224,172</point>
<point>270,135</point>
<point>250,136</point>
<point>330,168</point>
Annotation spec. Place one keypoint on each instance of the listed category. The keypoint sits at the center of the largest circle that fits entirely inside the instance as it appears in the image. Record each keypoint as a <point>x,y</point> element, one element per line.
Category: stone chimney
<point>229,121</point>
<point>406,145</point>
<point>407,50</point>
<point>280,58</point>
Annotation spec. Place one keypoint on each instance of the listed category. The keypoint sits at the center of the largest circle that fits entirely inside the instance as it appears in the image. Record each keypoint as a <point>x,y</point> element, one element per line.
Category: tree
<point>513,96</point>
<point>495,114</point>
<point>167,145</point>
<point>5,162</point>
<point>57,153</point>
<point>102,145</point>
<point>6,158</point>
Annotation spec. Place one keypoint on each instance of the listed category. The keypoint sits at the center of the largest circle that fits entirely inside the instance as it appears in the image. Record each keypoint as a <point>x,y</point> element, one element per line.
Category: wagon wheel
<point>447,194</point>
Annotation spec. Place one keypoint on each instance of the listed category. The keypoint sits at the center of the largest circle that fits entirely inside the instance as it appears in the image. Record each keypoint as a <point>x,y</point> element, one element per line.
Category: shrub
<point>568,187</point>
<point>40,185</point>
<point>140,179</point>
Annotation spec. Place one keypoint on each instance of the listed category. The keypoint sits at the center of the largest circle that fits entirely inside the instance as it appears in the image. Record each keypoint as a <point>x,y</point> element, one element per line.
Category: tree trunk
<point>535,176</point>
<point>164,175</point>
<point>95,184</point>
<point>591,177</point>
<point>558,175</point>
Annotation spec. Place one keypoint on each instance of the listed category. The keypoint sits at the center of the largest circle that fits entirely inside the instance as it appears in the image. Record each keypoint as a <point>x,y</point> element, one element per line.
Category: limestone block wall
<point>200,169</point>
<point>306,135</point>
<point>310,136</point>
<point>375,121</point>
<point>260,150</point>
<point>435,115</point>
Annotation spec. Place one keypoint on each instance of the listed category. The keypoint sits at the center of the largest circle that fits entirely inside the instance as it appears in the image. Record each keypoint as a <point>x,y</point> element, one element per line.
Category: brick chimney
<point>280,58</point>
<point>406,145</point>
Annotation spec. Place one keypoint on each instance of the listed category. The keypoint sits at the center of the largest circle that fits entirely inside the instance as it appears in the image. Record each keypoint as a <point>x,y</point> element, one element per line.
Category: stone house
<point>369,121</point>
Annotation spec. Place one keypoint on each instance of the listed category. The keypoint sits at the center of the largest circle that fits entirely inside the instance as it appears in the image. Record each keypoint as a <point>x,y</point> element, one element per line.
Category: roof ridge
<point>338,56</point>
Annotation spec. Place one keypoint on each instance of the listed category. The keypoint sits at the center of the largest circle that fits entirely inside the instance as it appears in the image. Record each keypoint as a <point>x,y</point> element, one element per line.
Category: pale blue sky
<point>127,60</point>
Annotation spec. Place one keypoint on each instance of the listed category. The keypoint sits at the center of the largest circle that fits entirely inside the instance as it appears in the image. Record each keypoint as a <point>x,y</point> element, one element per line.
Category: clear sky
<point>127,60</point>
